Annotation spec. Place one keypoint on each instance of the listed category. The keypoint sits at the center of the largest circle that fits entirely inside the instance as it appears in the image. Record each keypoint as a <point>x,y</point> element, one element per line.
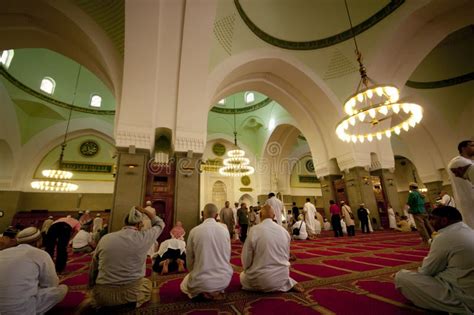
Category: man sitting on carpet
<point>171,255</point>
<point>265,257</point>
<point>208,258</point>
<point>82,242</point>
<point>445,281</point>
<point>29,282</point>
<point>117,272</point>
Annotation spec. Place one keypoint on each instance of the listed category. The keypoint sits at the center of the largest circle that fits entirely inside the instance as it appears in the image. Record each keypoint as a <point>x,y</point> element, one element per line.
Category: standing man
<point>363,216</point>
<point>208,258</point>
<point>295,211</point>
<point>277,206</point>
<point>29,282</point>
<point>417,207</point>
<point>309,212</point>
<point>227,217</point>
<point>59,234</point>
<point>445,280</point>
<point>243,217</point>
<point>117,272</point>
<point>97,225</point>
<point>460,168</point>
<point>348,217</point>
<point>335,218</point>
<point>265,257</point>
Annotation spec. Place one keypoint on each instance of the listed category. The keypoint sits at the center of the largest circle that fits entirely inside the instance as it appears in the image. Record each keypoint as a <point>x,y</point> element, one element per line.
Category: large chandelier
<point>236,164</point>
<point>371,105</point>
<point>57,179</point>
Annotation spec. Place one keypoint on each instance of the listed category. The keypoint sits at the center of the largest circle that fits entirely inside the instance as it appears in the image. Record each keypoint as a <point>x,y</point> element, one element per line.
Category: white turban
<point>459,161</point>
<point>134,216</point>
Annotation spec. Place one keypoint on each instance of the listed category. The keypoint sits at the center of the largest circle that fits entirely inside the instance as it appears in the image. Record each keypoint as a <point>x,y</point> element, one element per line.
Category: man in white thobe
<point>265,257</point>
<point>462,187</point>
<point>445,280</point>
<point>277,206</point>
<point>97,224</point>
<point>208,258</point>
<point>309,212</point>
<point>29,283</point>
<point>117,272</point>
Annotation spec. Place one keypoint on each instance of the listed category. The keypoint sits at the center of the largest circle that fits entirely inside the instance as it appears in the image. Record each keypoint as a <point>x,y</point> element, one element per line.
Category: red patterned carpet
<point>341,276</point>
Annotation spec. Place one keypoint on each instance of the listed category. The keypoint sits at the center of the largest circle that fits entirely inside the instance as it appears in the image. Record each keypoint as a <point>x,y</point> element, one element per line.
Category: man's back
<point>265,258</point>
<point>33,268</point>
<point>122,255</point>
<point>451,258</point>
<point>416,202</point>
<point>208,257</point>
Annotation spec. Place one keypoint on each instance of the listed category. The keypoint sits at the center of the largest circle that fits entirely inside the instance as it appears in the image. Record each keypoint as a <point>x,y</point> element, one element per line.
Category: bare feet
<point>298,288</point>
<point>181,265</point>
<point>214,295</point>
<point>164,270</point>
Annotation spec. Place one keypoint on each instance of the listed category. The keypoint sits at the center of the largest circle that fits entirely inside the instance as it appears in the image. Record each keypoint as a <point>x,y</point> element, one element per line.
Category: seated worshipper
<point>82,242</point>
<point>29,283</point>
<point>208,258</point>
<point>59,234</point>
<point>265,257</point>
<point>8,238</point>
<point>299,225</point>
<point>403,225</point>
<point>326,225</point>
<point>171,255</point>
<point>117,272</point>
<point>445,280</point>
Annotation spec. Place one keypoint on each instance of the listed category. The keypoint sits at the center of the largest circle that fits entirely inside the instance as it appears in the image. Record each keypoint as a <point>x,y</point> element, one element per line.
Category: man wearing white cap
<point>29,283</point>
<point>117,273</point>
<point>461,173</point>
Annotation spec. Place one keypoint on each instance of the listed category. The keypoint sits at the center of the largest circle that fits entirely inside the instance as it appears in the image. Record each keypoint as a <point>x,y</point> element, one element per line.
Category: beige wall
<point>9,205</point>
<point>14,201</point>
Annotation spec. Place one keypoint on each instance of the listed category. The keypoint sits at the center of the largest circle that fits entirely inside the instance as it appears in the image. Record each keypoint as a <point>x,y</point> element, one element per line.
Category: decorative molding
<point>441,83</point>
<point>50,100</point>
<point>184,144</point>
<point>127,136</point>
<point>242,110</point>
<point>323,42</point>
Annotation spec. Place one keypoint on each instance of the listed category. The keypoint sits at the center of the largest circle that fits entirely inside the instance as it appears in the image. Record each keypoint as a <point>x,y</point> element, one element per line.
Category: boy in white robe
<point>208,258</point>
<point>445,280</point>
<point>265,257</point>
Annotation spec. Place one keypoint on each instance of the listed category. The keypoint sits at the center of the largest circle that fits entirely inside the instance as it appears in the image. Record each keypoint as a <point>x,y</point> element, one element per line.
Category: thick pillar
<point>359,190</point>
<point>129,184</point>
<point>187,188</point>
<point>434,188</point>
<point>328,191</point>
<point>390,189</point>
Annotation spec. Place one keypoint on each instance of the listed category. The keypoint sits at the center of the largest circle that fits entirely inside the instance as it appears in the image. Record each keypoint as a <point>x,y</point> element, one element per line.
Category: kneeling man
<point>265,257</point>
<point>445,280</point>
<point>208,258</point>
<point>117,273</point>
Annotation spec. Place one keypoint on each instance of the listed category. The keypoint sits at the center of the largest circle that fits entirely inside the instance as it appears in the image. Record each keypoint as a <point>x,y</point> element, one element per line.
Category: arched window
<point>96,101</point>
<point>249,97</point>
<point>221,102</point>
<point>48,85</point>
<point>6,57</point>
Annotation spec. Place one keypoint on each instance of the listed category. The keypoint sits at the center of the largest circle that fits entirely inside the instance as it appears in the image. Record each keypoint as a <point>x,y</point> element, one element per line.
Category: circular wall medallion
<point>309,166</point>
<point>218,149</point>
<point>89,148</point>
<point>245,180</point>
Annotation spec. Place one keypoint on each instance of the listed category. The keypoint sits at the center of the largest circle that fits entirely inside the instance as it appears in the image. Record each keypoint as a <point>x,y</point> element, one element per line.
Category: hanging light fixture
<point>236,164</point>
<point>371,105</point>
<point>57,179</point>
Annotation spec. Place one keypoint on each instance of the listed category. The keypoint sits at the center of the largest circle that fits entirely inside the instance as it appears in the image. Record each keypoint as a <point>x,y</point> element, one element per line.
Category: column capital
<point>186,141</point>
<point>140,137</point>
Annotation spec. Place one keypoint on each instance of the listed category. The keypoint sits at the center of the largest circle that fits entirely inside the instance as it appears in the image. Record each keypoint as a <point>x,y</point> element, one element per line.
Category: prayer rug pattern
<point>341,276</point>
